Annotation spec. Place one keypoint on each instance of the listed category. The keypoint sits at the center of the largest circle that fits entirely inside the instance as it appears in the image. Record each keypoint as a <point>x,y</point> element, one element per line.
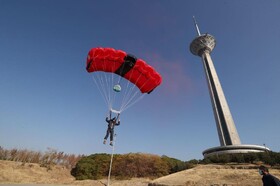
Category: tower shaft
<point>225,125</point>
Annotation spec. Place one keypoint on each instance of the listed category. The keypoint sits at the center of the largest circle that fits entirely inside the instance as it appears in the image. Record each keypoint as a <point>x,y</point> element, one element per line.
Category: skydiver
<point>110,130</point>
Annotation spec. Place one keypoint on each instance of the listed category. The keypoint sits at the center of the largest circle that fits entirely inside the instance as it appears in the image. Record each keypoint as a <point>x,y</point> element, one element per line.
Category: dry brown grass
<point>202,175</point>
<point>17,172</point>
<point>215,175</point>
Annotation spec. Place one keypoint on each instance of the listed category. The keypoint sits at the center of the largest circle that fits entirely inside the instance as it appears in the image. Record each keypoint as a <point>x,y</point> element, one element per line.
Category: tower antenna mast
<point>196,26</point>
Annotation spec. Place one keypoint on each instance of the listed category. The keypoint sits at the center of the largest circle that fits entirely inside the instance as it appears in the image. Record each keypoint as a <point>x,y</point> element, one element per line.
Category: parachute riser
<point>115,112</point>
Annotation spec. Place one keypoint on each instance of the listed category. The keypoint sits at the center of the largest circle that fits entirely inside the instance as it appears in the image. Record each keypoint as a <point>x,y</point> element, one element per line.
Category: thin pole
<point>113,149</point>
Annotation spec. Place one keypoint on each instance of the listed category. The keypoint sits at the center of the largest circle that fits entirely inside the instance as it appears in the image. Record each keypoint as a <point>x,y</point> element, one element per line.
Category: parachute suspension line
<point>101,81</point>
<point>98,83</point>
<point>113,81</point>
<point>132,103</point>
<point>128,92</point>
<point>135,101</point>
<point>104,83</point>
<point>133,98</point>
<point>110,93</point>
<point>120,78</point>
<point>111,162</point>
<point>128,100</point>
<point>107,85</point>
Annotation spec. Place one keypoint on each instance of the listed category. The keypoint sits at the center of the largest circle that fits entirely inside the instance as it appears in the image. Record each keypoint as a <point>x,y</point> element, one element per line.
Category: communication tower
<point>230,142</point>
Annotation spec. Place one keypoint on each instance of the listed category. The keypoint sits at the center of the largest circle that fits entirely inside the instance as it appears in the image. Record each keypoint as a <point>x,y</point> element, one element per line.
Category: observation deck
<point>202,43</point>
<point>234,149</point>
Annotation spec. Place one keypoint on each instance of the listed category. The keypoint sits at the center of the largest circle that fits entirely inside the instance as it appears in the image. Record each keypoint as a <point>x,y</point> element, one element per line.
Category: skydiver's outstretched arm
<point>118,117</point>
<point>118,120</point>
<point>109,117</point>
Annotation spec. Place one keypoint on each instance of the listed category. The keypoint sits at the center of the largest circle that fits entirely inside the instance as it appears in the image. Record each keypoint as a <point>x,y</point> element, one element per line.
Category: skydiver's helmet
<point>114,119</point>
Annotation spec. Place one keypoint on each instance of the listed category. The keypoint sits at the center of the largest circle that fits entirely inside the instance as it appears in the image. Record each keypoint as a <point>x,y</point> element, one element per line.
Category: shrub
<point>175,165</point>
<point>92,167</point>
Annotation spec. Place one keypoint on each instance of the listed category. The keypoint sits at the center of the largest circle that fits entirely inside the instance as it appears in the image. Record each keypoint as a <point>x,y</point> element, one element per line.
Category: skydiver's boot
<point>111,143</point>
<point>104,142</point>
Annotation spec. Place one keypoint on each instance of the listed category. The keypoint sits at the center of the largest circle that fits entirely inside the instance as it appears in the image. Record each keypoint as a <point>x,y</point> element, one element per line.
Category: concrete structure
<point>202,46</point>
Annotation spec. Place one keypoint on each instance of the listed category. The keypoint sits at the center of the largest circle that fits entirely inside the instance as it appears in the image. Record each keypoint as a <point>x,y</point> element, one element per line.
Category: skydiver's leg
<point>111,136</point>
<point>106,136</point>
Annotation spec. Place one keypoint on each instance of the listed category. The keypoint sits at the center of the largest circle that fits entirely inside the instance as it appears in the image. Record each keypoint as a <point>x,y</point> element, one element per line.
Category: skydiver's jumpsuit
<point>110,130</point>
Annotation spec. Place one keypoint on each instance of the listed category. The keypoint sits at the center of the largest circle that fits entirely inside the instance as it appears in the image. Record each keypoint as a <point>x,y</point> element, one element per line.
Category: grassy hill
<point>201,175</point>
<point>215,175</point>
<point>27,173</point>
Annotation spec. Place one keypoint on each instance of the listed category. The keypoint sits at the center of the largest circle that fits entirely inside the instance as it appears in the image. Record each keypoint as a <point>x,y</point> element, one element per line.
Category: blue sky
<point>47,98</point>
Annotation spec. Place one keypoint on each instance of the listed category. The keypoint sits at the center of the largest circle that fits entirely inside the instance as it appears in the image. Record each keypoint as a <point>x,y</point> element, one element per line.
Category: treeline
<point>46,159</point>
<point>126,166</point>
<point>133,165</point>
<point>269,158</point>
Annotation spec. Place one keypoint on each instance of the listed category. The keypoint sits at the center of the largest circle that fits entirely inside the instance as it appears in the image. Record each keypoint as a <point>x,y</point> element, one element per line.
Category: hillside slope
<point>17,172</point>
<point>32,173</point>
<point>215,175</point>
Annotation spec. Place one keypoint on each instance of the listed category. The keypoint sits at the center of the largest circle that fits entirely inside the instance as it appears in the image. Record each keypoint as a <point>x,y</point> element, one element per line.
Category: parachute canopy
<point>137,71</point>
<point>121,78</point>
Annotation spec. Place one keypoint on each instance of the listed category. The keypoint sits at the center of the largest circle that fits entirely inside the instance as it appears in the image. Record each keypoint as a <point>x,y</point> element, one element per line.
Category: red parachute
<point>137,71</point>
